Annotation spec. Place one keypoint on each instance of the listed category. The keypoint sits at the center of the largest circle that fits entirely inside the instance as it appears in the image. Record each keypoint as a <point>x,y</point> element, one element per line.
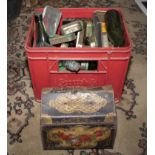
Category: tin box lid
<point>51,19</point>
<point>78,106</point>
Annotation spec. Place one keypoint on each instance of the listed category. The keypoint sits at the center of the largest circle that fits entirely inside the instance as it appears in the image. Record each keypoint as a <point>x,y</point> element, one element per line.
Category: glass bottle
<point>42,37</point>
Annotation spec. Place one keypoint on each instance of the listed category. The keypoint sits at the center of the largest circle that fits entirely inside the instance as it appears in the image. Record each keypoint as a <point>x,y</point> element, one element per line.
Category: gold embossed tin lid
<point>78,106</point>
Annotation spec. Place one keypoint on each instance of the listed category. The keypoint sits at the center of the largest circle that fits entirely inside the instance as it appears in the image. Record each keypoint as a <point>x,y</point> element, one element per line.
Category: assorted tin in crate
<point>110,58</point>
<point>78,118</point>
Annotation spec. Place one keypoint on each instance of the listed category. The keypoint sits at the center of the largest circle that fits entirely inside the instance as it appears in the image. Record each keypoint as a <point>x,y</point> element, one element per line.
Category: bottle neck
<point>43,36</point>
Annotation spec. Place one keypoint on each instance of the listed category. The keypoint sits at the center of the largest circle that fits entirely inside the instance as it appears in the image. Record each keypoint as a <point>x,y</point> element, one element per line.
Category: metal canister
<point>105,42</point>
<point>89,28</point>
<point>80,37</point>
<point>97,30</point>
<point>58,39</point>
<point>71,27</point>
<point>100,15</point>
<point>98,18</point>
<point>89,34</point>
<point>84,65</point>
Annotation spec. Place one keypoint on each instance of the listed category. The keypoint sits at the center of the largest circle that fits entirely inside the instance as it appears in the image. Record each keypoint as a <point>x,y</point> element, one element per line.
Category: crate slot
<point>85,65</point>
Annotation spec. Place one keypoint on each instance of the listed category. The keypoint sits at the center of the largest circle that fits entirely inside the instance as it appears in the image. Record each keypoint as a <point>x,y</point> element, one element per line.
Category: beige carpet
<point>23,112</point>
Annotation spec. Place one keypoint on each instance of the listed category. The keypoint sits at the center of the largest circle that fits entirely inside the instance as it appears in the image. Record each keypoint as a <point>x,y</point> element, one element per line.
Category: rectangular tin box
<point>78,119</point>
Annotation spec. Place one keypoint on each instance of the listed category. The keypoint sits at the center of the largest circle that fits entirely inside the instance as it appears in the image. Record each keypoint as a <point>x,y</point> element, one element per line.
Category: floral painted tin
<point>78,118</point>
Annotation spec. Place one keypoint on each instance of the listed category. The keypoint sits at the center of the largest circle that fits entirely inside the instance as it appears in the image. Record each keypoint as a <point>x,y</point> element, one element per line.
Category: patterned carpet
<point>23,112</point>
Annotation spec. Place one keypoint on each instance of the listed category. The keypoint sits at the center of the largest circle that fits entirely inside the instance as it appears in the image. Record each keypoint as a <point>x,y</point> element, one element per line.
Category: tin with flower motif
<point>78,118</point>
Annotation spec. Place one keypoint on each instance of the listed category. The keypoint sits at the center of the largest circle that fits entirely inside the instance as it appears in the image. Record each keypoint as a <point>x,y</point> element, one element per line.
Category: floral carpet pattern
<point>23,112</point>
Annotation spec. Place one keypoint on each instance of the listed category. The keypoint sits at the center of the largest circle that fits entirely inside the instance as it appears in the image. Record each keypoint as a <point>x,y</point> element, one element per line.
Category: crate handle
<point>52,66</point>
<point>103,65</point>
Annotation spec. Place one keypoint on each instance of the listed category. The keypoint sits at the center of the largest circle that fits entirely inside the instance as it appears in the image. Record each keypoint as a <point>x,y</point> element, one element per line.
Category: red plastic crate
<point>43,62</point>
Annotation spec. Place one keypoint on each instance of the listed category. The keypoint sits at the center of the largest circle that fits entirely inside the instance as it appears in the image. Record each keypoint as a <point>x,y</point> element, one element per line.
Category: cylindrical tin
<point>84,65</point>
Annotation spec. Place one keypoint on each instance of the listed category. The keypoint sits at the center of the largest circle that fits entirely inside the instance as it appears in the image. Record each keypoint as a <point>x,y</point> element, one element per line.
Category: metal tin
<point>105,42</point>
<point>58,39</point>
<point>78,118</point>
<point>80,37</point>
<point>89,34</point>
<point>100,15</point>
<point>97,30</point>
<point>71,27</point>
<point>84,65</point>
<point>51,18</point>
<point>89,28</point>
<point>98,18</point>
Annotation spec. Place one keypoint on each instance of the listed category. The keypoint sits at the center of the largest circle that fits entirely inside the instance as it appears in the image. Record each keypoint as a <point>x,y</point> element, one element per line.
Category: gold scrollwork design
<point>79,102</point>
